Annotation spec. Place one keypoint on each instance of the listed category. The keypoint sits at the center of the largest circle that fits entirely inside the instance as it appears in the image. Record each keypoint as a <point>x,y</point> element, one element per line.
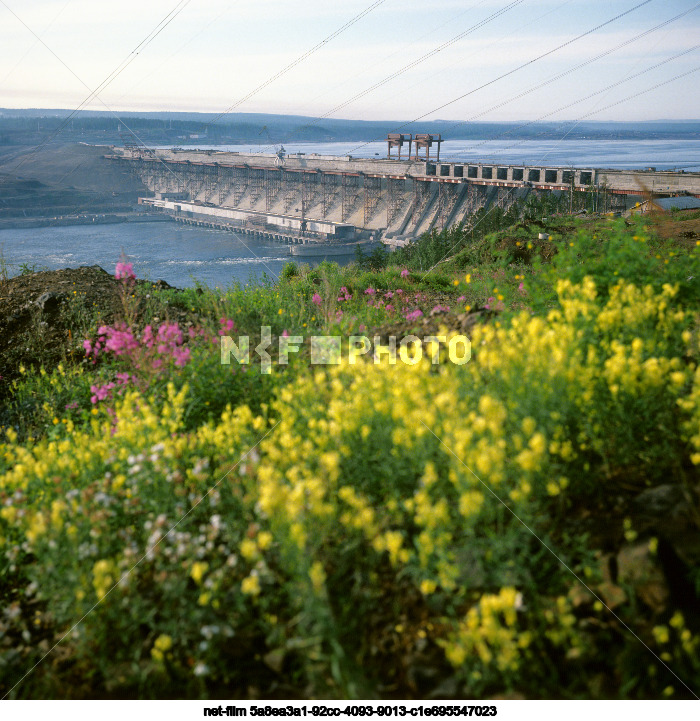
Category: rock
<point>669,512</point>
<point>640,570</point>
<point>50,302</point>
<point>660,501</point>
<point>162,285</point>
<point>612,594</point>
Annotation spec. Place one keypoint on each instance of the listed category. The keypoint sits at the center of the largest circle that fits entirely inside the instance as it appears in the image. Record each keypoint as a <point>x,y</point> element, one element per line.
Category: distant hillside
<point>24,127</point>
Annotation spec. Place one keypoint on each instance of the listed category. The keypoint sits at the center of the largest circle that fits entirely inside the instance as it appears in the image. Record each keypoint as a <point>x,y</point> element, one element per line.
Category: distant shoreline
<point>83,219</point>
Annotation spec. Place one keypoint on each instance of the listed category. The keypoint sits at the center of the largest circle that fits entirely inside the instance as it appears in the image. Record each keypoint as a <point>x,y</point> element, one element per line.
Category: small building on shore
<point>666,205</point>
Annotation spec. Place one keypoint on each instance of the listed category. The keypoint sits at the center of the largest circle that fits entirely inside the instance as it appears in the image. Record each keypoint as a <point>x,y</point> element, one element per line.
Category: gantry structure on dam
<point>395,199</point>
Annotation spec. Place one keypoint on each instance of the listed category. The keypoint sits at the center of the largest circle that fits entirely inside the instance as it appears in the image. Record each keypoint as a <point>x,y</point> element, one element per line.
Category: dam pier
<point>310,198</point>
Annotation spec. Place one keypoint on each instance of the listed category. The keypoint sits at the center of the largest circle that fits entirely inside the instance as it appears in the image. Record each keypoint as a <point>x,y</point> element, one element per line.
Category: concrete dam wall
<point>397,200</point>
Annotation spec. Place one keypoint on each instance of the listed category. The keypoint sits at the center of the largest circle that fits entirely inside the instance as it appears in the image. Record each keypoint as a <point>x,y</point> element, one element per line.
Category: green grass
<point>335,539</point>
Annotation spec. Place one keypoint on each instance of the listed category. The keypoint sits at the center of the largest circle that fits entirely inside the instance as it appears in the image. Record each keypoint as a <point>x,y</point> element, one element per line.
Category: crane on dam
<point>280,152</point>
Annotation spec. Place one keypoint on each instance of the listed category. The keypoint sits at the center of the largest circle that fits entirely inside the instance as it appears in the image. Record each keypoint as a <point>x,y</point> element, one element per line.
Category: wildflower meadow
<point>171,526</point>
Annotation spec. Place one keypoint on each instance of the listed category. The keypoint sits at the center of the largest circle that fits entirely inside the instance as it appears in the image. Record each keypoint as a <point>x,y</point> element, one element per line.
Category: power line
<point>576,122</point>
<point>563,74</point>
<point>514,70</point>
<point>112,76</point>
<point>300,59</point>
<point>423,58</point>
<point>568,72</point>
<point>416,62</point>
<point>143,78</point>
<point>403,49</point>
<point>587,97</point>
<point>29,50</point>
<point>497,40</point>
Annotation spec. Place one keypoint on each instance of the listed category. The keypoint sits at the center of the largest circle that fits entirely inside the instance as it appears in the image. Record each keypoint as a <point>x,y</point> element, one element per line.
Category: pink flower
<point>119,341</point>
<point>285,334</point>
<point>461,298</point>
<point>404,273</point>
<point>124,271</point>
<point>316,299</point>
<point>414,315</point>
<point>227,325</point>
<point>101,392</point>
<point>370,291</point>
<point>181,356</point>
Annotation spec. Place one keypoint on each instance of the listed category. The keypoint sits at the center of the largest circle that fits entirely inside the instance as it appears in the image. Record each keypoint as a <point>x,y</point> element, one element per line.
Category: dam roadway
<point>302,197</point>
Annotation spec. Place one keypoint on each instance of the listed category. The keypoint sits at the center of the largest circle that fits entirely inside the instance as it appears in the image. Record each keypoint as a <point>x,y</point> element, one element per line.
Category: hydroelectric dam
<point>302,198</point>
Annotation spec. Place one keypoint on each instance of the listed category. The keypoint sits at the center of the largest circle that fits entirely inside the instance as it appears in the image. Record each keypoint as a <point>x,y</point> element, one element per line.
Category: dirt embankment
<point>43,316</point>
<point>62,180</point>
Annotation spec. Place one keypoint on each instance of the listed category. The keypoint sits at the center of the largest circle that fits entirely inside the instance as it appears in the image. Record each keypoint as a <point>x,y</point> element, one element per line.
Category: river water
<point>180,254</point>
<point>184,255</point>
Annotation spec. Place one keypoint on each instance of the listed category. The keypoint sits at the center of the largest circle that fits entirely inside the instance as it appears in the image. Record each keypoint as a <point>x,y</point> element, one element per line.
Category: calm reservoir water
<point>182,255</point>
<point>622,154</point>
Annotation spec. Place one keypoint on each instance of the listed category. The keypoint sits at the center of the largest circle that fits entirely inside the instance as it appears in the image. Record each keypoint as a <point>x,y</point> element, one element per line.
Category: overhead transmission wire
<point>145,77</point>
<point>583,99</point>
<point>512,71</point>
<point>298,60</point>
<point>414,63</point>
<point>107,81</point>
<point>153,153</point>
<point>571,104</point>
<point>402,49</point>
<point>568,132</point>
<point>491,82</point>
<point>166,21</point>
<point>594,112</point>
<point>563,74</point>
<point>582,65</point>
<point>495,41</point>
<point>34,44</point>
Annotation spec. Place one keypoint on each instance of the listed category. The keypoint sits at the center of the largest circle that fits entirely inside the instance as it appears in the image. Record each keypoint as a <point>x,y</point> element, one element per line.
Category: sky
<point>484,60</point>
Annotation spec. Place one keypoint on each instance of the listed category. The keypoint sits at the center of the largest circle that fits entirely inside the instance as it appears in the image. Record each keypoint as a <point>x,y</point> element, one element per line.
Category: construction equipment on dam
<point>311,198</point>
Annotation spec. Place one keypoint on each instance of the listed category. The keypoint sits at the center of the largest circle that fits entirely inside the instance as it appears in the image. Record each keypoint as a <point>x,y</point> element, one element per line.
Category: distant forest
<point>20,127</point>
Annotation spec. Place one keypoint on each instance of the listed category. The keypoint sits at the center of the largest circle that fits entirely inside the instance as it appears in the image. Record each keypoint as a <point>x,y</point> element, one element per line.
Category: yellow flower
<point>250,585</point>
<point>198,570</point>
<point>427,587</point>
<point>264,540</point>
<point>249,549</point>
<point>317,576</point>
<point>661,634</point>
<point>163,642</point>
<point>456,654</point>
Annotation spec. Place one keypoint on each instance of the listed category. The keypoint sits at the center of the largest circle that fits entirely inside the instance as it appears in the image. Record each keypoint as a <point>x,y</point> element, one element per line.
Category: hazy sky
<point>215,52</point>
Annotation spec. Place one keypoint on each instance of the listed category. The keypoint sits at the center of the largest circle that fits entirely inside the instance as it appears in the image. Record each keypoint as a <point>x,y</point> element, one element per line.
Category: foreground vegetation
<point>520,525</point>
